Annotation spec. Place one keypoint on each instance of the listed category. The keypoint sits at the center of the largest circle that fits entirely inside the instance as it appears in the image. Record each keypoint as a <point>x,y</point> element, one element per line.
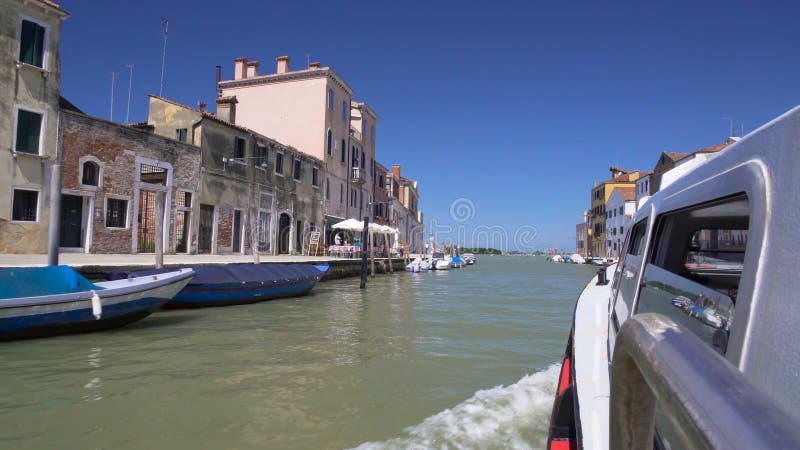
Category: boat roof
<point>16,282</point>
<point>245,273</point>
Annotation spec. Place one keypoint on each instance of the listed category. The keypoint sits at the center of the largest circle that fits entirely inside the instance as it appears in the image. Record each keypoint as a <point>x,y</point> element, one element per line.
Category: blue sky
<point>516,106</point>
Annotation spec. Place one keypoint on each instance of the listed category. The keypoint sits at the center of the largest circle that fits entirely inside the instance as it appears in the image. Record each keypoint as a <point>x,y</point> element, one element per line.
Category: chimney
<point>226,108</point>
<point>219,78</point>
<point>202,105</point>
<point>396,170</point>
<point>314,65</point>
<point>283,64</point>
<point>239,69</point>
<point>252,69</point>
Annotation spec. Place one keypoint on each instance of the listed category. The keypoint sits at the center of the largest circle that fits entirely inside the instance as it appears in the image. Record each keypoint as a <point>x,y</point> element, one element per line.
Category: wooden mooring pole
<point>364,246</point>
<point>160,230</point>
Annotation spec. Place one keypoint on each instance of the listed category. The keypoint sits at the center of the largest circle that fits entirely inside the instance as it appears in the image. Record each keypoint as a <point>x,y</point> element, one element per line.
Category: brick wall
<point>115,148</point>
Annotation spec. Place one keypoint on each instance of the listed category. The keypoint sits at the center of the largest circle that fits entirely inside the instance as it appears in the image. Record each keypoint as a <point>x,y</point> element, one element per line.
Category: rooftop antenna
<point>730,122</point>
<point>165,23</point>
<point>111,112</point>
<point>308,60</point>
<point>130,88</point>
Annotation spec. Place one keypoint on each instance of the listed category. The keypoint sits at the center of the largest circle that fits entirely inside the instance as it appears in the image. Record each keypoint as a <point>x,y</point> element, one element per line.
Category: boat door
<point>71,221</point>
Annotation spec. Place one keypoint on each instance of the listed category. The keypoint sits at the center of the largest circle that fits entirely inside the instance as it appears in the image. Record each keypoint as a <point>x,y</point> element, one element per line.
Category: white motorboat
<point>418,265</point>
<point>672,354</point>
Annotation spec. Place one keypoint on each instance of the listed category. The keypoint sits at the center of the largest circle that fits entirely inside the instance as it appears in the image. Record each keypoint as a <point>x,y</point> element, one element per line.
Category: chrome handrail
<point>708,401</point>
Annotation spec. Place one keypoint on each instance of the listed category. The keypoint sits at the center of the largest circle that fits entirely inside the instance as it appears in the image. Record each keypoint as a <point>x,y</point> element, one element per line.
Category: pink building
<point>312,110</point>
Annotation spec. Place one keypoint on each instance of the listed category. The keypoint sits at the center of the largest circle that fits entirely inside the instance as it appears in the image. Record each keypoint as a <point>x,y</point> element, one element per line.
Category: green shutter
<point>31,48</point>
<point>29,126</point>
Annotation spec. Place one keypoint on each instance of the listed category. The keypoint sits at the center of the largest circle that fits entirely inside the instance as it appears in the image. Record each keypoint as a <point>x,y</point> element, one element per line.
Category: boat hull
<point>209,295</point>
<point>76,315</point>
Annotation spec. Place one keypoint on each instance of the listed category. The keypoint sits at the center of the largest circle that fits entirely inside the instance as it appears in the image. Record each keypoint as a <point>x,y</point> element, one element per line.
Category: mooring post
<point>371,255</point>
<point>54,230</point>
<point>159,230</point>
<point>254,234</point>
<point>364,246</point>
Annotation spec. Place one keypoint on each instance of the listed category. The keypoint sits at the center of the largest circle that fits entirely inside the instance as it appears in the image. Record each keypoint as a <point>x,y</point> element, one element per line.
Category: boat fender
<point>97,307</point>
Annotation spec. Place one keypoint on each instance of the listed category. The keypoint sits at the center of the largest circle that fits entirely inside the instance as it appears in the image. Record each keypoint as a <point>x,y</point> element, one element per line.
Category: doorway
<point>284,228</point>
<point>146,239</point>
<point>237,231</point>
<point>71,234</point>
<point>206,230</point>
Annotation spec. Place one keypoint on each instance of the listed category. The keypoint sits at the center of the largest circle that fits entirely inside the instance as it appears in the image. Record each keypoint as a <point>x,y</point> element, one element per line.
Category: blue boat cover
<point>35,281</point>
<point>243,273</point>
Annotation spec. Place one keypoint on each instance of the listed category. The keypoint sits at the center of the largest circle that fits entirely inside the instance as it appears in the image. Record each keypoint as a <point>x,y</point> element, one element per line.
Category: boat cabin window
<point>693,277</point>
<point>696,266</point>
<point>625,279</point>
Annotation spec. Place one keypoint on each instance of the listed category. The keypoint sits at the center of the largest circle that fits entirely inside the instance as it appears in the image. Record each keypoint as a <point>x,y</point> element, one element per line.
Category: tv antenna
<point>113,79</point>
<point>308,60</point>
<point>730,123</point>
<point>165,23</point>
<point>130,88</point>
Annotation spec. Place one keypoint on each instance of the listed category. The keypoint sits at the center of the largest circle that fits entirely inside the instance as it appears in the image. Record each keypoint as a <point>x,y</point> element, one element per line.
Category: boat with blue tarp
<point>45,301</point>
<point>234,284</point>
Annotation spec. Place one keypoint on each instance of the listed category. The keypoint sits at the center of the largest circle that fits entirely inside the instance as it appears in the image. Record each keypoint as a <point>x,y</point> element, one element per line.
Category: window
<point>31,44</point>
<point>314,176</point>
<point>363,160</point>
<point>152,174</point>
<point>29,130</point>
<point>91,173</point>
<point>341,193</point>
<point>180,134</point>
<point>621,210</point>
<point>262,156</point>
<point>185,199</point>
<point>327,188</point>
<point>330,142</point>
<point>296,171</point>
<point>279,163</point>
<point>116,213</point>
<point>344,110</point>
<point>238,149</point>
<point>330,99</point>
<point>372,133</point>
<point>25,206</point>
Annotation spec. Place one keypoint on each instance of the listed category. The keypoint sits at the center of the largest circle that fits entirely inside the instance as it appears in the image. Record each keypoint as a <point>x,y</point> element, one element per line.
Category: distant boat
<point>235,284</point>
<point>418,265</point>
<point>441,261</point>
<point>45,301</point>
<point>457,262</point>
<point>577,258</point>
<point>469,258</point>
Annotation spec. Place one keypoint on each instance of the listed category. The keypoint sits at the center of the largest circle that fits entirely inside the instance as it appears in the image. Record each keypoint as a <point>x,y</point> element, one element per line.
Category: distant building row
<point>614,201</point>
<point>285,154</point>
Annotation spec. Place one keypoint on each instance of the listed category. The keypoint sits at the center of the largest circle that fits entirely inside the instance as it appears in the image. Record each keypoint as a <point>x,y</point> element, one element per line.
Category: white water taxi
<point>679,353</point>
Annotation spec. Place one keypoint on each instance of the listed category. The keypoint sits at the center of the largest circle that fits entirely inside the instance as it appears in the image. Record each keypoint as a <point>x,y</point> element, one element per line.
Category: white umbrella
<point>349,225</point>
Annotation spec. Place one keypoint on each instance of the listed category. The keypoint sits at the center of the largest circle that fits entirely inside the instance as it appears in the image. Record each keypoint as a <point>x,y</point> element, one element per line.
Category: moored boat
<point>674,353</point>
<point>234,284</point>
<point>46,301</point>
<point>418,265</point>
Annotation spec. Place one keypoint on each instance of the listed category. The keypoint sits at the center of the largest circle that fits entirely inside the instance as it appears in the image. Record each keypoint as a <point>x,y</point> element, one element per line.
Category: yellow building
<point>600,195</point>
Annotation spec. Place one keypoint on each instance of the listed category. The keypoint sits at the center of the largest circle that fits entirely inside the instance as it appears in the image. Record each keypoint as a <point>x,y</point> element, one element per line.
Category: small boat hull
<point>239,284</point>
<point>120,303</point>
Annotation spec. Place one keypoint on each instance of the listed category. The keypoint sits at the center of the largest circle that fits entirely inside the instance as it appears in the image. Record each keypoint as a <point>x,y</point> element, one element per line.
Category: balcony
<point>358,177</point>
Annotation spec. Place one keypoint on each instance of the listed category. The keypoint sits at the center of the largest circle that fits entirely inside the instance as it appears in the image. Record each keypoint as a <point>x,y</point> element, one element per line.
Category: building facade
<point>404,210</point>
<point>619,216</point>
<point>30,85</point>
<point>110,179</point>
<point>311,110</point>
<point>601,193</point>
<point>582,235</point>
<point>253,191</point>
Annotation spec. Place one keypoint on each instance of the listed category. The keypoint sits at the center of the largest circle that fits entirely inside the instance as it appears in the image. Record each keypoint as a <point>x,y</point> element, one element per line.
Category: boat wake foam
<point>507,417</point>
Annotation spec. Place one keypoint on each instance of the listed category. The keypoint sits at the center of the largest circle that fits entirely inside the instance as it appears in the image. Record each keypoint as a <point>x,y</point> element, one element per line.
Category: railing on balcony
<point>358,175</point>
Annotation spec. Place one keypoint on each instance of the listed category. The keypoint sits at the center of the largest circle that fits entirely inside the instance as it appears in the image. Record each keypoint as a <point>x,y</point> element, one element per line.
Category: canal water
<point>451,359</point>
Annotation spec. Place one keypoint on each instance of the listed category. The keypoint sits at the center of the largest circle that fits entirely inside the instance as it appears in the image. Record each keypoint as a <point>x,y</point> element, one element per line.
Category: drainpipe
<point>54,230</point>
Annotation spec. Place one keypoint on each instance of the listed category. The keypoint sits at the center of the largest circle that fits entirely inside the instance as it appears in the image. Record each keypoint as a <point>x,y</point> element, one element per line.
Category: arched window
<point>343,150</point>
<point>330,142</point>
<point>91,173</point>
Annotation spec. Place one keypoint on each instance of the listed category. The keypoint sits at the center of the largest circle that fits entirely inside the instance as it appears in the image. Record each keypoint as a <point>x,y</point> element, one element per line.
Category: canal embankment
<point>95,266</point>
